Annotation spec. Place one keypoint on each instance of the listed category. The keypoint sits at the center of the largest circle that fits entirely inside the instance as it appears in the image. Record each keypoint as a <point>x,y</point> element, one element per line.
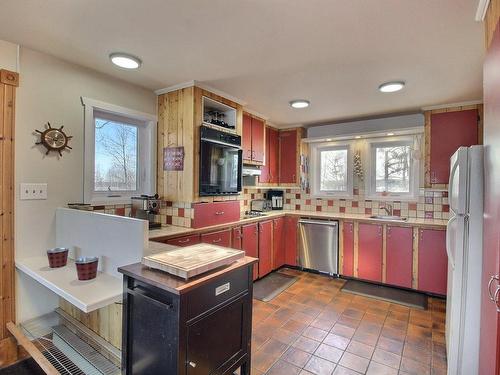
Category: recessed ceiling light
<point>328,139</point>
<point>301,103</point>
<point>390,134</point>
<point>124,60</point>
<point>357,137</point>
<point>391,86</point>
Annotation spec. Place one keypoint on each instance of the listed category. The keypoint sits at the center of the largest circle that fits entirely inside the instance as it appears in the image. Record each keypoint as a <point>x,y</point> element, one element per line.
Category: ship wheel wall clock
<point>54,139</point>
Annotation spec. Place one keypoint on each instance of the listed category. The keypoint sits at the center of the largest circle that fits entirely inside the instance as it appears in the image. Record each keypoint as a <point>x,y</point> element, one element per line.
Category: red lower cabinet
<point>221,238</point>
<point>237,238</point>
<point>250,244</point>
<point>291,240</point>
<point>432,261</point>
<point>399,252</point>
<point>278,242</point>
<point>265,247</point>
<point>184,241</point>
<point>370,252</point>
<point>348,249</point>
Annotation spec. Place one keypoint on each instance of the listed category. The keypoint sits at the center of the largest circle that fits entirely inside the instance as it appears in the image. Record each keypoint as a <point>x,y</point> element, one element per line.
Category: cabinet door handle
<point>192,364</point>
<point>184,241</point>
<point>217,240</point>
<point>490,293</point>
<point>497,293</point>
<point>137,291</point>
<point>218,213</point>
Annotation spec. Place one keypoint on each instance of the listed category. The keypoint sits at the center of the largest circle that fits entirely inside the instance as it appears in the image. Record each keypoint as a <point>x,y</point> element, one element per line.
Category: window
<point>331,170</point>
<point>120,153</point>
<point>393,170</point>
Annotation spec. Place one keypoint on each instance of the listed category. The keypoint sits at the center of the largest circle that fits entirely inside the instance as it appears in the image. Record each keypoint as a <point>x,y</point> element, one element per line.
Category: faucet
<point>388,208</point>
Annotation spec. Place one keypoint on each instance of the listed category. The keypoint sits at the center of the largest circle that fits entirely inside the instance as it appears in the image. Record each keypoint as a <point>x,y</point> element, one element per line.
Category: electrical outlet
<point>33,191</point>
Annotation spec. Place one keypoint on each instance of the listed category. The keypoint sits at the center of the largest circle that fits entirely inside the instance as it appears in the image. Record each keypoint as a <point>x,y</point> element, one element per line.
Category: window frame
<point>146,152</point>
<point>315,169</point>
<point>414,168</point>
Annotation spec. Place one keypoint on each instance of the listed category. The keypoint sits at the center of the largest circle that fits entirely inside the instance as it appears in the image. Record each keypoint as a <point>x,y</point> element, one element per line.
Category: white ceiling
<point>334,53</point>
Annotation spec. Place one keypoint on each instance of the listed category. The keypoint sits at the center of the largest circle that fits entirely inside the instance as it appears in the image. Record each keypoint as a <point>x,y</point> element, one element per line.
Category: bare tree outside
<point>115,156</point>
<point>393,169</point>
<point>333,172</point>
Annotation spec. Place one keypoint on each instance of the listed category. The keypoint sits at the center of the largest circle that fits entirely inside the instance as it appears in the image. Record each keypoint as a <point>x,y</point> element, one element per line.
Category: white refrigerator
<point>464,245</point>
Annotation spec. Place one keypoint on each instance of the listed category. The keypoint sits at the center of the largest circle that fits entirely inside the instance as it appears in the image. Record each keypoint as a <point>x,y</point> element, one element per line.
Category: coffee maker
<point>146,207</point>
<point>276,198</point>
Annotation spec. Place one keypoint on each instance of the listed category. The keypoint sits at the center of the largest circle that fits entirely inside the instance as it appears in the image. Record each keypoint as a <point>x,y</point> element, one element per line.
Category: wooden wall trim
<point>9,78</point>
<point>491,21</point>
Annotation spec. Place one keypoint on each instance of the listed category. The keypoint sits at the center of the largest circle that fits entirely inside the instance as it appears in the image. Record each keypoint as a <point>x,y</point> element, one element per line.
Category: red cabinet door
<point>246,139</point>
<point>237,238</point>
<point>258,139</point>
<point>432,261</point>
<point>272,154</point>
<point>449,131</point>
<point>221,238</point>
<point>184,241</point>
<point>278,242</point>
<point>207,214</point>
<point>370,252</point>
<point>250,244</point>
<point>265,173</point>
<point>291,240</point>
<point>265,247</point>
<point>288,156</point>
<point>399,252</point>
<point>348,249</point>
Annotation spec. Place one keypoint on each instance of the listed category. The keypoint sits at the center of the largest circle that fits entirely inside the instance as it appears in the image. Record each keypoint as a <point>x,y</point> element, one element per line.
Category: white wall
<point>50,90</point>
<point>372,125</point>
<point>8,56</point>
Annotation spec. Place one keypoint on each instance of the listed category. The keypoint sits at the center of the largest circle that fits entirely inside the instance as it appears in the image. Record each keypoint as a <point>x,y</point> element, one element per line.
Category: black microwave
<point>221,160</point>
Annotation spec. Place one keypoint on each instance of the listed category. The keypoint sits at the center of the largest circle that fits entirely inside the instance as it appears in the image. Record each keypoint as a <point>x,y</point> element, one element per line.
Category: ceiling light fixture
<point>391,86</point>
<point>300,103</point>
<point>125,61</point>
<point>357,137</point>
<point>390,134</point>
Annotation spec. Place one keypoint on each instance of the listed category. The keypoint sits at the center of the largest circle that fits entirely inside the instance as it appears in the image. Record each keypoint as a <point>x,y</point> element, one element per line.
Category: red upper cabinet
<point>289,160</point>
<point>246,139</point>
<point>265,247</point>
<point>269,171</point>
<point>370,244</point>
<point>250,244</point>
<point>221,238</point>
<point>258,139</point>
<point>348,249</point>
<point>278,242</point>
<point>291,240</point>
<point>399,253</point>
<point>432,261</point>
<point>449,131</point>
<point>253,140</point>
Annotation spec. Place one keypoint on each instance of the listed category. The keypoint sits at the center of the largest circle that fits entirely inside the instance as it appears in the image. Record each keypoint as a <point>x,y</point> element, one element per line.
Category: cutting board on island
<point>192,260</point>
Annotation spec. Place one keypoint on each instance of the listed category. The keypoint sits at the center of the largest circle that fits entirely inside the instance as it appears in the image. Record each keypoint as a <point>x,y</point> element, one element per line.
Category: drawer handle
<point>490,293</point>
<point>137,291</point>
<point>184,241</point>
<point>218,213</point>
<point>192,364</point>
<point>217,240</point>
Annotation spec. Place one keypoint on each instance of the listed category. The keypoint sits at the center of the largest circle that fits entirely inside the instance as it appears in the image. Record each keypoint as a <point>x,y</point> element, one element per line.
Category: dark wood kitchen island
<point>196,327</point>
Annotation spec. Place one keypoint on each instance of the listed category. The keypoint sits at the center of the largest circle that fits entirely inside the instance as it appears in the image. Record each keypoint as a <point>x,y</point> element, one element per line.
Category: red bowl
<point>58,257</point>
<point>86,268</point>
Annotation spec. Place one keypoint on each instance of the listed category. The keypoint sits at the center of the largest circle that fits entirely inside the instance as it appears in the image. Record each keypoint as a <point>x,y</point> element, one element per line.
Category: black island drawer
<point>217,292</point>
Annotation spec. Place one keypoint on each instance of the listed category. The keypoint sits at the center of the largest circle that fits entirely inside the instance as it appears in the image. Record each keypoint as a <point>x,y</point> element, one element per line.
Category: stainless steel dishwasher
<point>318,245</point>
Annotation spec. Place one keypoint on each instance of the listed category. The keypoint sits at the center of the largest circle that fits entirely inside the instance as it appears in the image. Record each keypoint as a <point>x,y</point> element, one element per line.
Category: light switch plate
<point>33,191</point>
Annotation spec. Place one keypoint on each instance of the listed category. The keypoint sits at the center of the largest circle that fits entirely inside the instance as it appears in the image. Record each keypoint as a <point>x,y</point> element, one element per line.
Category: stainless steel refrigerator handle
<point>490,293</point>
<point>448,252</point>
<point>329,223</point>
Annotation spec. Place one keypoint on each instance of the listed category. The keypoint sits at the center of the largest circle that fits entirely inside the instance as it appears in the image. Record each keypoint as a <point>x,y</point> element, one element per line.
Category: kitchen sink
<point>388,218</point>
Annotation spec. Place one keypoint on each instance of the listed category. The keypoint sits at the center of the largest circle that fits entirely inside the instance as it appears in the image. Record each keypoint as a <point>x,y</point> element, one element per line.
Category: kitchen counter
<point>172,231</point>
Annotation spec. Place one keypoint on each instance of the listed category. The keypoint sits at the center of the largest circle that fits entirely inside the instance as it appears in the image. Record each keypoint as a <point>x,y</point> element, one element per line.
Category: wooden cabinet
<point>347,249</point>
<point>432,261</point>
<point>291,240</point>
<point>184,241</point>
<point>399,256</point>
<point>220,238</point>
<point>265,247</point>
<point>270,169</point>
<point>289,157</point>
<point>448,131</point>
<point>237,238</point>
<point>278,242</point>
<point>253,141</point>
<point>370,244</point>
<point>207,214</point>
<point>250,244</point>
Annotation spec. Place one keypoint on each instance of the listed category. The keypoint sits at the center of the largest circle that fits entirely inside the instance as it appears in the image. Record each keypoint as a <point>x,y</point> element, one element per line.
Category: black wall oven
<point>221,161</point>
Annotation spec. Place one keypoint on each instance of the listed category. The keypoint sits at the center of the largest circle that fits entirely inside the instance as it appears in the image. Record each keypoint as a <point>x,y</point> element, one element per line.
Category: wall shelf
<point>86,295</point>
<point>224,112</point>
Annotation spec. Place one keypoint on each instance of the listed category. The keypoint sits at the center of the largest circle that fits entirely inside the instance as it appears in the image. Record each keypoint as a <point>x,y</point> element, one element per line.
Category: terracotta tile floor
<point>314,328</point>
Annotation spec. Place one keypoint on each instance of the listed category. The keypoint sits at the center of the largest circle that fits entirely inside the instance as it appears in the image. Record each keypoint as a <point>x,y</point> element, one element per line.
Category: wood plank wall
<point>491,20</point>
<point>8,83</point>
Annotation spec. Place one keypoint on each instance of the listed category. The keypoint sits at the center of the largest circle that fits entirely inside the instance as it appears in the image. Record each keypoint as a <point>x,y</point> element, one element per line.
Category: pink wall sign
<point>173,159</point>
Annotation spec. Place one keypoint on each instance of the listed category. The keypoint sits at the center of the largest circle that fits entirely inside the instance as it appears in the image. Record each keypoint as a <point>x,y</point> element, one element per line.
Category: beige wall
<point>8,56</point>
<point>50,90</point>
